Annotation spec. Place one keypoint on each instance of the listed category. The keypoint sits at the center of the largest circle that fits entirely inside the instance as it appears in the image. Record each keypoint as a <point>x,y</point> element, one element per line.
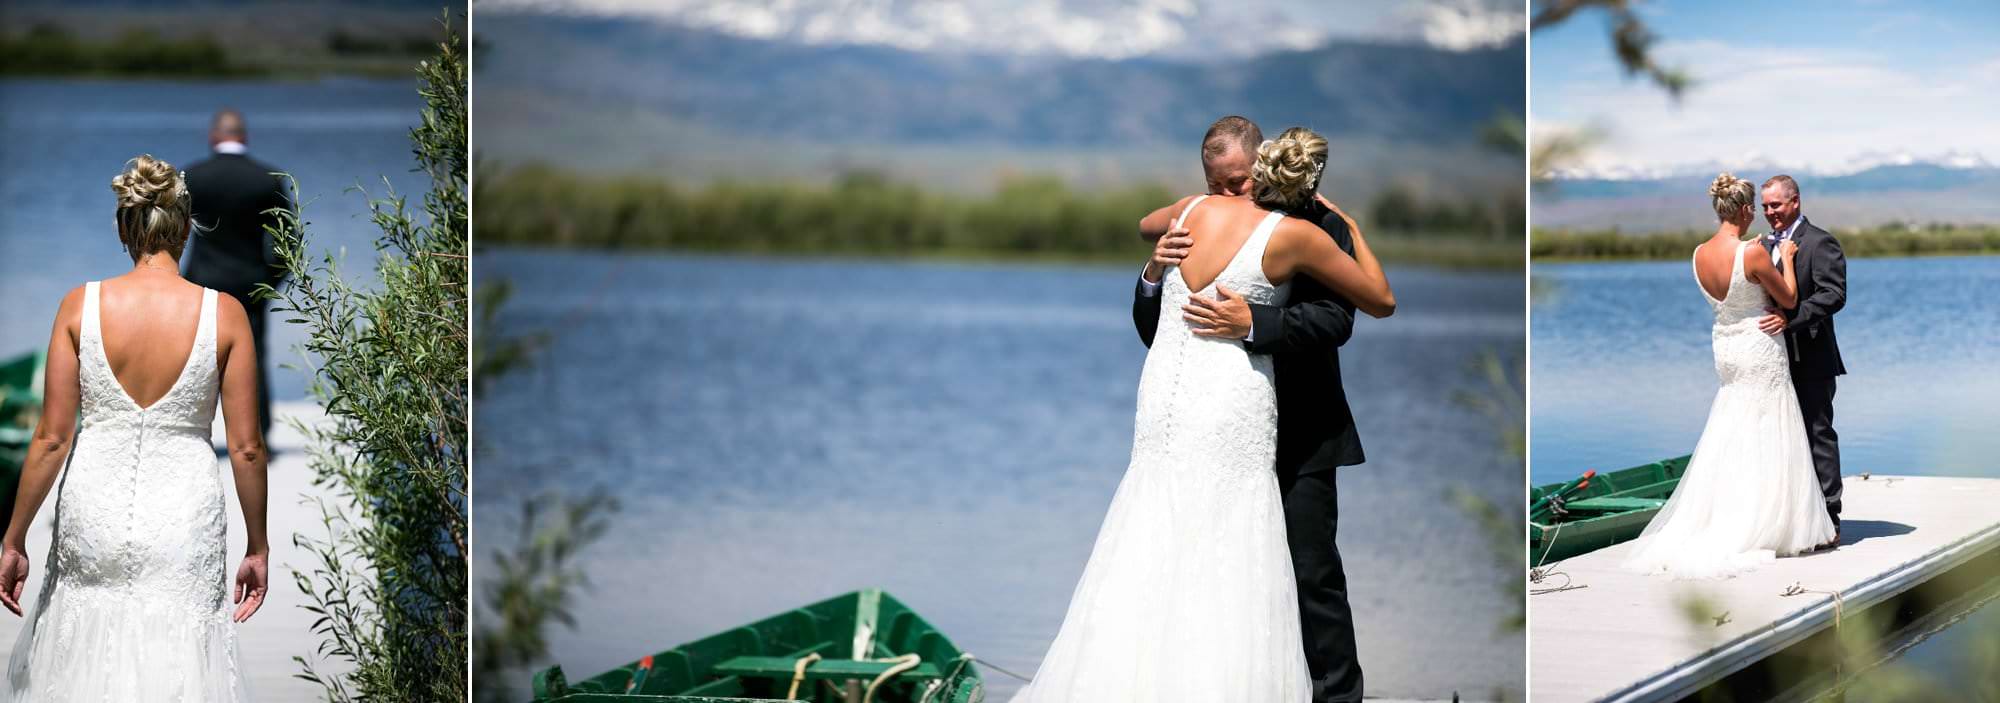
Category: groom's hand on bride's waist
<point>1772,323</point>
<point>1225,317</point>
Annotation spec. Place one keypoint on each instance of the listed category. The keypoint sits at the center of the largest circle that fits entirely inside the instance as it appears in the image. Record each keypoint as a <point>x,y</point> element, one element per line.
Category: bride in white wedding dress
<point>135,603</point>
<point>1749,494</point>
<point>1188,594</point>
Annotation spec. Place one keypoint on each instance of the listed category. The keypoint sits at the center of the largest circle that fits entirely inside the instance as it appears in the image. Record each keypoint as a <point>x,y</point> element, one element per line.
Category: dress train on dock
<point>1749,494</point>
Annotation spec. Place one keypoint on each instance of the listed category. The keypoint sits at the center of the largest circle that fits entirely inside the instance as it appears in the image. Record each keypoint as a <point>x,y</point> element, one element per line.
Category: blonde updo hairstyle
<point>154,210</point>
<point>1730,195</point>
<point>1288,169</point>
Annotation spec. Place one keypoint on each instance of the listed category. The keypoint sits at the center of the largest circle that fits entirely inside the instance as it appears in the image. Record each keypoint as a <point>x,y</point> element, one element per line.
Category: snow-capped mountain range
<point>1761,163</point>
<point>1868,189</point>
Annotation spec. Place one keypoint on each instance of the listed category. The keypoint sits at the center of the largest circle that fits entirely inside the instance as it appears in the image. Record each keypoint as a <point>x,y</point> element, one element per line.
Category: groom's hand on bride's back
<point>13,573</point>
<point>1227,316</point>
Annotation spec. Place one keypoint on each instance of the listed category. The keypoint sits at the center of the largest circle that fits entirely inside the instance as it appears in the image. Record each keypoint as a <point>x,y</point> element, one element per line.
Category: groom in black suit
<point>231,252</point>
<point>1808,329</point>
<point>1315,427</point>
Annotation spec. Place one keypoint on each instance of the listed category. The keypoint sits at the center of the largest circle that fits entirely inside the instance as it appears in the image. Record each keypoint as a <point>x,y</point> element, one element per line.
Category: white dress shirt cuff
<point>1148,289</point>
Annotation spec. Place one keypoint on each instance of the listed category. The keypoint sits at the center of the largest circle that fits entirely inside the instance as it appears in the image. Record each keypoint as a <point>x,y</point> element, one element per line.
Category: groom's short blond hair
<point>1233,129</point>
<point>1791,186</point>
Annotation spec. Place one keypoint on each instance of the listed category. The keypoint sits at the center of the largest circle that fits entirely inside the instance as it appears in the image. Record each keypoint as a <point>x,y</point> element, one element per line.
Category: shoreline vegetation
<point>1038,219</point>
<point>49,50</point>
<point>391,364</point>
<point>1892,240</point>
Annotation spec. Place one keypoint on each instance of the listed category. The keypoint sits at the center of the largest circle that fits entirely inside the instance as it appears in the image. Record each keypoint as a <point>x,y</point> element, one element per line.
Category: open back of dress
<point>1188,594</point>
<point>134,597</point>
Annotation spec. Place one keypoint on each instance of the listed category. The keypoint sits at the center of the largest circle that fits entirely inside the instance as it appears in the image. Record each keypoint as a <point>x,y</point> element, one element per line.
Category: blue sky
<point>1831,85</point>
<point>1089,28</point>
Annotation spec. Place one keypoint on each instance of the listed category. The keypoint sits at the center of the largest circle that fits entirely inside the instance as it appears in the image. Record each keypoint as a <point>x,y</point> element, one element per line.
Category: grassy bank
<point>1892,240</point>
<point>867,215</point>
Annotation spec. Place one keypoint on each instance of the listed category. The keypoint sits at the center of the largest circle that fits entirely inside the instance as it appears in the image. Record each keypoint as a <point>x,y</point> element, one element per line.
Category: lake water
<point>65,140</point>
<point>1623,375</point>
<point>781,431</point>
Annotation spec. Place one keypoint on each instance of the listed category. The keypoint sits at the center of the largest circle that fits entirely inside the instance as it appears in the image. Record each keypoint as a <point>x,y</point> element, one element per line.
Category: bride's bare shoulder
<point>74,298</point>
<point>69,311</point>
<point>1214,208</point>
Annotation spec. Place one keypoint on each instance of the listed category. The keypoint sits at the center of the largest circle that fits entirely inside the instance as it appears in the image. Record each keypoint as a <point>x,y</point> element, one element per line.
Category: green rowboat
<point>1596,510</point>
<point>861,647</point>
<point>20,409</point>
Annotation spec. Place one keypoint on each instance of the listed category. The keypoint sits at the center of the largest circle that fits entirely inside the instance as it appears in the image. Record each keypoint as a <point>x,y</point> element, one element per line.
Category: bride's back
<point>1715,267</point>
<point>1220,225</point>
<point>1194,389</point>
<point>148,327</point>
<point>1718,263</point>
<point>1721,265</point>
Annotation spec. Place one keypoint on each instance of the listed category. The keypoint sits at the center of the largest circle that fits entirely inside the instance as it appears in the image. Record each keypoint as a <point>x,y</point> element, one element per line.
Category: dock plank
<point>1626,637</point>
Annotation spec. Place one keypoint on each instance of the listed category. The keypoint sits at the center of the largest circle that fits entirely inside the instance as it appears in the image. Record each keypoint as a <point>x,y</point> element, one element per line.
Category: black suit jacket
<point>1822,277</point>
<point>232,194</point>
<point>1315,426</point>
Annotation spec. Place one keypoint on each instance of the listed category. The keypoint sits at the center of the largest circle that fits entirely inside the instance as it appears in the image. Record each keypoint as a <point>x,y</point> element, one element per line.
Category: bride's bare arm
<point>1155,224</point>
<point>247,455</point>
<point>1303,248</point>
<point>47,449</point>
<point>1783,286</point>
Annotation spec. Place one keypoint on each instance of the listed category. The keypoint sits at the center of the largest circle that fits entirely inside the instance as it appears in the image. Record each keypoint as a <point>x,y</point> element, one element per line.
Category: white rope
<point>1798,588</point>
<point>799,673</point>
<point>991,665</point>
<point>903,663</point>
<point>1538,574</point>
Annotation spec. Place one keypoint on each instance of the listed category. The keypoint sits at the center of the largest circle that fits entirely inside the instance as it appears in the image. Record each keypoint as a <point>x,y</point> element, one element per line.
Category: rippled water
<point>1623,374</point>
<point>65,140</point>
<point>781,431</point>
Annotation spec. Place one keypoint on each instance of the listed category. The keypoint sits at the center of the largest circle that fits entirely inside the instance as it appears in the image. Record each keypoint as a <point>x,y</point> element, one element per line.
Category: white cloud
<point>1469,24</point>
<point>1828,110</point>
<point>1110,29</point>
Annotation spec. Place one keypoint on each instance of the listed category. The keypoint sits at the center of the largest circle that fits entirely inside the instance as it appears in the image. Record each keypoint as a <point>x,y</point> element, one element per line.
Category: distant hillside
<point>639,95</point>
<point>869,93</point>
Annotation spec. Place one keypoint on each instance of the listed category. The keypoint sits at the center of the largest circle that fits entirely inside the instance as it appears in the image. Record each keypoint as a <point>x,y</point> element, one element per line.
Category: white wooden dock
<point>1627,637</point>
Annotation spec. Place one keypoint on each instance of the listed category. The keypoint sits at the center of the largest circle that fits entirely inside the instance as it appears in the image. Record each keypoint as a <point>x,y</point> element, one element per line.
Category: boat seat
<point>837,669</point>
<point>1612,504</point>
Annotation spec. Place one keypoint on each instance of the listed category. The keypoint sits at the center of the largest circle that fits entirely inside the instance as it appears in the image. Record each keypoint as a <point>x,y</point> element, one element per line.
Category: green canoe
<point>1596,510</point>
<point>869,646</point>
<point>20,409</point>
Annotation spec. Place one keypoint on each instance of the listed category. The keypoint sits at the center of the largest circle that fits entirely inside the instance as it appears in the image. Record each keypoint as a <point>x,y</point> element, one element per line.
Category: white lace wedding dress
<point>1188,594</point>
<point>134,598</point>
<point>1749,494</point>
